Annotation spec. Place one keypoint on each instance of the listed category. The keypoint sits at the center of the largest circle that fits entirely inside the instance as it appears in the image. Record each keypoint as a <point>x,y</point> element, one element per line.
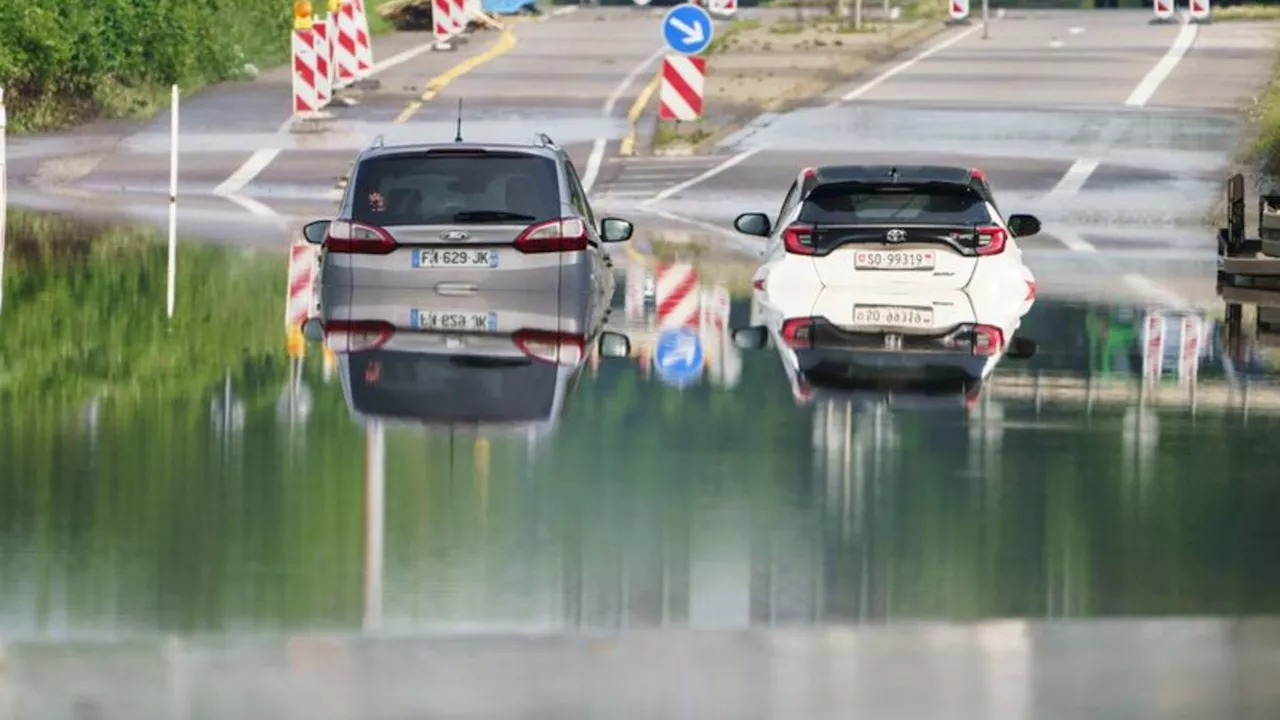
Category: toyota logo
<point>895,236</point>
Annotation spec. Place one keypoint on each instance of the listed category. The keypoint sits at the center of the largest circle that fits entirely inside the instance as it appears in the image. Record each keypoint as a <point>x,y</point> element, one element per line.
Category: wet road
<point>186,531</point>
<point>193,524</point>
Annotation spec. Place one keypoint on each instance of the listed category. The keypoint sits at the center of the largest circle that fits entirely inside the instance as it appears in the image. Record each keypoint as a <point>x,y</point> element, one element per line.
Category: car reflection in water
<point>925,348</point>
<point>490,361</point>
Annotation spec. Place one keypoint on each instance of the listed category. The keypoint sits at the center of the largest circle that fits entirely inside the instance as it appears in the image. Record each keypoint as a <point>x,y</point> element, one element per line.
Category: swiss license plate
<point>892,316</point>
<point>466,258</point>
<point>895,260</point>
<point>455,321</point>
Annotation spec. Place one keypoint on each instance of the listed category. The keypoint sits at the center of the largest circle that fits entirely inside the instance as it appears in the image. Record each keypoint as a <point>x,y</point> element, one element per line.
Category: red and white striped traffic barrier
<point>324,61</point>
<point>724,8</point>
<point>1199,9</point>
<point>1164,9</point>
<point>364,44</point>
<point>683,82</point>
<point>959,10</point>
<point>460,18</point>
<point>676,293</point>
<point>347,45</point>
<point>300,296</point>
<point>306,71</point>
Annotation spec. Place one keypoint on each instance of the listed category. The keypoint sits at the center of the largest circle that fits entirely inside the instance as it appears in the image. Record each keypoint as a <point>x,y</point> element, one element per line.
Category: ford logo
<point>896,236</point>
<point>453,235</point>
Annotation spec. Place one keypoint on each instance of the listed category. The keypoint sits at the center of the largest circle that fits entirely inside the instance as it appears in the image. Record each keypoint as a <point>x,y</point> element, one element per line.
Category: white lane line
<point>592,171</point>
<point>1154,290</point>
<point>901,67</point>
<point>263,157</point>
<point>851,95</point>
<point>1073,241</point>
<point>1080,171</point>
<point>735,240</point>
<point>1147,88</point>
<point>682,186</point>
<point>1075,178</point>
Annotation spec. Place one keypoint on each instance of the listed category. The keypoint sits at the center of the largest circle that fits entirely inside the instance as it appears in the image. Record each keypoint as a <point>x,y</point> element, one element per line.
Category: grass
<point>670,133</point>
<point>1247,13</point>
<point>722,41</point>
<point>1266,146</point>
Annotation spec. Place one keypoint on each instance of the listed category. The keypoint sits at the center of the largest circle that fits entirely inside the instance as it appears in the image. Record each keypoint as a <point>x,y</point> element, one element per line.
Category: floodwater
<point>194,525</point>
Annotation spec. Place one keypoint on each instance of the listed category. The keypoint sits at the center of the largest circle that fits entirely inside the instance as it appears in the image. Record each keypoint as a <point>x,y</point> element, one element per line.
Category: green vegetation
<point>723,39</point>
<point>671,133</point>
<point>84,314</point>
<point>63,61</point>
<point>1247,13</point>
<point>69,61</point>
<point>1266,146</point>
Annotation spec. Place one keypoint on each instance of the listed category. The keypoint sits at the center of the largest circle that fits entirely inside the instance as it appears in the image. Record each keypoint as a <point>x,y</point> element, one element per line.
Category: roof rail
<point>378,142</point>
<point>545,140</point>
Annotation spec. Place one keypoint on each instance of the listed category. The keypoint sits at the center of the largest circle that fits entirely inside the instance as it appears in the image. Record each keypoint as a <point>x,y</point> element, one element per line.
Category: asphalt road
<point>245,178</point>
<point>1114,131</point>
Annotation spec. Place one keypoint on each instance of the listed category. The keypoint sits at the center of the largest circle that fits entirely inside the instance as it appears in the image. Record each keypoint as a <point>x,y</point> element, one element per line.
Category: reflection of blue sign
<point>687,29</point>
<point>678,356</point>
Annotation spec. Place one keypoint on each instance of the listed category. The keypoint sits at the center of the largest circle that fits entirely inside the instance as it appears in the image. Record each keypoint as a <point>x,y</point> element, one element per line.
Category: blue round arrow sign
<point>687,29</point>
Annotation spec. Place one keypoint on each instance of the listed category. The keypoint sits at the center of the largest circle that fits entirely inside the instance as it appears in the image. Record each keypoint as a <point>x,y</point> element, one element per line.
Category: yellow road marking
<point>628,146</point>
<point>441,81</point>
<point>504,45</point>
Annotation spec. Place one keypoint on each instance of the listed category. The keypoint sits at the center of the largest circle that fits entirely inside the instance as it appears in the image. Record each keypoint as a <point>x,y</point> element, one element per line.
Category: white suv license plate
<point>895,260</point>
<point>893,316</point>
<point>434,258</point>
<point>455,321</point>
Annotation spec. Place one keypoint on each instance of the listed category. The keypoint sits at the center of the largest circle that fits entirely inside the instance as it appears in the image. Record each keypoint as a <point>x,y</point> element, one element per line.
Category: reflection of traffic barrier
<point>633,303</point>
<point>1153,347</point>
<point>676,293</point>
<point>298,303</point>
<point>1189,349</point>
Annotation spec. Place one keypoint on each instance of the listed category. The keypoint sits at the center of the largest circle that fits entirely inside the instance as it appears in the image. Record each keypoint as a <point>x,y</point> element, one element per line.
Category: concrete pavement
<point>1115,131</point>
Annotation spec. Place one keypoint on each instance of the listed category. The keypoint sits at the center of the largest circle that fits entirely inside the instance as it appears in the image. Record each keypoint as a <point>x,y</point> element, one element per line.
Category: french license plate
<point>455,321</point>
<point>892,316</point>
<point>466,258</point>
<point>895,260</point>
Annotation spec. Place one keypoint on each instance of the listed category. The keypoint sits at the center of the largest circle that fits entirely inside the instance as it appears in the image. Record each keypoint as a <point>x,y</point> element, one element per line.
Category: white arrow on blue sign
<point>687,29</point>
<point>678,355</point>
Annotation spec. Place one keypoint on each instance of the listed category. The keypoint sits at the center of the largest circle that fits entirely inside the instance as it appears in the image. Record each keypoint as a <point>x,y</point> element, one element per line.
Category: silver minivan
<point>468,217</point>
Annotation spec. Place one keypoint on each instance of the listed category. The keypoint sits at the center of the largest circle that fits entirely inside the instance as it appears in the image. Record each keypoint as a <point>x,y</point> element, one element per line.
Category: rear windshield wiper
<point>490,216</point>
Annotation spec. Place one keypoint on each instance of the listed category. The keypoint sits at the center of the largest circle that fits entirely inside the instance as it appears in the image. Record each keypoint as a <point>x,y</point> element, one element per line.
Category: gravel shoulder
<point>775,63</point>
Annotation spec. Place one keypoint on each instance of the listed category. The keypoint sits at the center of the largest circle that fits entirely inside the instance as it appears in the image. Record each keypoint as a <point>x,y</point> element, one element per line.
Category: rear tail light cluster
<point>346,236</point>
<point>551,347</point>
<point>797,333</point>
<point>798,239</point>
<point>561,235</point>
<point>343,336</point>
<point>991,240</point>
<point>984,340</point>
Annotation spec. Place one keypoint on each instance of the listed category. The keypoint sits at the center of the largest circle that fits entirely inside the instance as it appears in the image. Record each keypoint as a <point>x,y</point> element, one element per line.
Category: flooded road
<point>195,524</point>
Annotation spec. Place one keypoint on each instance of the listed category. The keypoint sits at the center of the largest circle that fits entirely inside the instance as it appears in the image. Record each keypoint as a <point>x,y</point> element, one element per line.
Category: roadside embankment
<point>62,63</point>
<point>774,63</point>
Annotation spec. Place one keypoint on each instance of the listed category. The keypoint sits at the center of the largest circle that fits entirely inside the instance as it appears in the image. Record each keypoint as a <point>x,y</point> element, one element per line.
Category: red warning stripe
<point>677,99</point>
<point>669,303</point>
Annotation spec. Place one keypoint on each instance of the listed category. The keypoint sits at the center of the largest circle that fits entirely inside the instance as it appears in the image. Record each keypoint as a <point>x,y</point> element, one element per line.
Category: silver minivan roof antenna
<point>458,137</point>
